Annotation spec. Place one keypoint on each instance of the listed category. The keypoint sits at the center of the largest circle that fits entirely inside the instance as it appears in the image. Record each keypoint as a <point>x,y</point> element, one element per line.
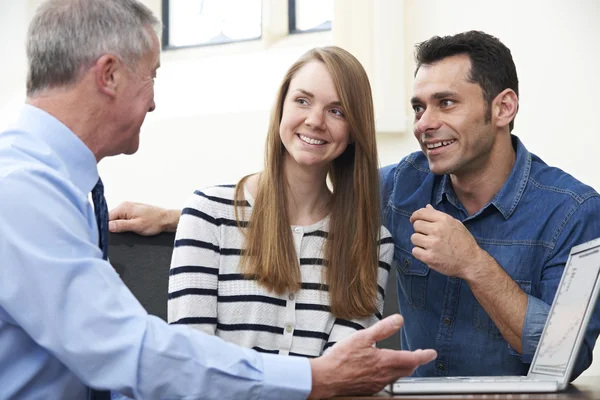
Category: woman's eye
<point>302,101</point>
<point>338,113</point>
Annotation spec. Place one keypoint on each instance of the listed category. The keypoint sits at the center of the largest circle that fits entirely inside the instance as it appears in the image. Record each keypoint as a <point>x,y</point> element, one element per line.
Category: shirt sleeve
<point>343,328</point>
<point>194,274</point>
<point>582,225</point>
<point>56,287</point>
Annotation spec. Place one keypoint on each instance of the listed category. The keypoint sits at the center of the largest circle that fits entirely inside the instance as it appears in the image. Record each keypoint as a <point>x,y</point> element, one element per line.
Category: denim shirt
<point>529,228</point>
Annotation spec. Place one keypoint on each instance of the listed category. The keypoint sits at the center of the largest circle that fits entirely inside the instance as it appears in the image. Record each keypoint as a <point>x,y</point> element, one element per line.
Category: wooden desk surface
<point>587,387</point>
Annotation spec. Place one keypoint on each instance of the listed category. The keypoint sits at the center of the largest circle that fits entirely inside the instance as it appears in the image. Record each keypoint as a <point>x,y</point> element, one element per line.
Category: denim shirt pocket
<point>412,277</point>
<point>483,322</point>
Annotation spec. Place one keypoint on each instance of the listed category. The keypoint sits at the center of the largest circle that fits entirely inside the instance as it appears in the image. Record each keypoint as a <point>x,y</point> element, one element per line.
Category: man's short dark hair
<point>492,65</point>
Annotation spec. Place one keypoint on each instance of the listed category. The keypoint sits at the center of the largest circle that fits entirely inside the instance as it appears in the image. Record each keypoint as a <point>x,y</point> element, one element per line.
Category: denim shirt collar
<point>508,197</point>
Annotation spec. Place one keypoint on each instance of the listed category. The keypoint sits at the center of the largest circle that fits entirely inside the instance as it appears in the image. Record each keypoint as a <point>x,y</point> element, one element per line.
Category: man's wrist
<point>322,388</point>
<point>482,264</point>
<point>170,219</point>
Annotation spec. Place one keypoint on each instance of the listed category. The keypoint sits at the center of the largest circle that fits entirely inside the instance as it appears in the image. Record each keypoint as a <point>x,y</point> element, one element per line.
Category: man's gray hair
<point>67,36</point>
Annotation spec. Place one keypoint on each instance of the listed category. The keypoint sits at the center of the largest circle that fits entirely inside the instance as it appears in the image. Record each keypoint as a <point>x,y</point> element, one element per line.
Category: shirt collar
<point>508,197</point>
<point>445,189</point>
<point>79,161</point>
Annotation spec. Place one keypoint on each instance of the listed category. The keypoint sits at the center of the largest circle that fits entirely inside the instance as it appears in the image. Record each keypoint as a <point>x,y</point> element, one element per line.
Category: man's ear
<point>108,70</point>
<point>505,107</point>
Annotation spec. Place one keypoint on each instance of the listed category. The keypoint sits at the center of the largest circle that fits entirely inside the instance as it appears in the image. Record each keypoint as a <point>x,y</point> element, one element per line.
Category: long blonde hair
<point>351,248</point>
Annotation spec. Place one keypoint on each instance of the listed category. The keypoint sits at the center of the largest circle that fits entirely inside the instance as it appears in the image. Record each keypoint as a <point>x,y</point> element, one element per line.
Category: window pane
<point>198,22</point>
<point>313,15</point>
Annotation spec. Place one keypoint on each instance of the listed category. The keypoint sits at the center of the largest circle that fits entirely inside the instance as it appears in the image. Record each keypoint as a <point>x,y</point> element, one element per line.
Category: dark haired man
<point>482,228</point>
<point>493,224</point>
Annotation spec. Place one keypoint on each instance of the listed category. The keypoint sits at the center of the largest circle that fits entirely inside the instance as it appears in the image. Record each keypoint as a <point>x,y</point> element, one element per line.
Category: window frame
<point>292,30</point>
<point>166,22</point>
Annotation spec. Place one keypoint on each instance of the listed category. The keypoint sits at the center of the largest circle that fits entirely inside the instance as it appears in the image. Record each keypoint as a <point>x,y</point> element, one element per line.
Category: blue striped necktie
<point>101,211</point>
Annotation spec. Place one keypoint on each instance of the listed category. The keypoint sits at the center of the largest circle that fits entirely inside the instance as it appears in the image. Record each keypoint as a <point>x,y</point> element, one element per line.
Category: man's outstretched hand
<point>355,366</point>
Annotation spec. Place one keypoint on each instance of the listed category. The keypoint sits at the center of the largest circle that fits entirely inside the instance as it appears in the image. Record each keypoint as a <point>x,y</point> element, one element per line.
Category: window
<point>310,15</point>
<point>207,22</point>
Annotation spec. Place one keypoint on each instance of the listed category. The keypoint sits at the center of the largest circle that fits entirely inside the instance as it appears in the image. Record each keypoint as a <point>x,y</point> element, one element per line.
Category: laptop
<point>559,344</point>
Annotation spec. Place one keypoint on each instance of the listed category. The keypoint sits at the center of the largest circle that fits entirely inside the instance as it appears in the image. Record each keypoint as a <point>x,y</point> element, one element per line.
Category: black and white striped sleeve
<point>194,273</point>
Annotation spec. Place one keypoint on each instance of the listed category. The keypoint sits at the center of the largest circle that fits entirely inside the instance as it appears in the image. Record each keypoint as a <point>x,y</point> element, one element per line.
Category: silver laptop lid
<point>571,310</point>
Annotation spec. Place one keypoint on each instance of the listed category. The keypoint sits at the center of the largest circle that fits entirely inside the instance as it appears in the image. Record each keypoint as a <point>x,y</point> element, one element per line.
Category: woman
<point>279,262</point>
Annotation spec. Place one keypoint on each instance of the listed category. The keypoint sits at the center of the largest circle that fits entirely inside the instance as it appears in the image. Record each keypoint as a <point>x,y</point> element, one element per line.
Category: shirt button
<point>298,229</point>
<point>440,366</point>
<point>291,296</point>
<point>288,328</point>
<point>447,321</point>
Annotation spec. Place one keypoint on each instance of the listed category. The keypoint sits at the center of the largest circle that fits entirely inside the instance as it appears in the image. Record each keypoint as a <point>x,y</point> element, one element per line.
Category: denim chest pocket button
<point>412,278</point>
<point>483,322</point>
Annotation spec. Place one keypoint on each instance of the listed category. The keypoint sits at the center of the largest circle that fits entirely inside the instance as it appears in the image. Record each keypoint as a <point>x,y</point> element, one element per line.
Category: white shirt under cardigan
<point>208,292</point>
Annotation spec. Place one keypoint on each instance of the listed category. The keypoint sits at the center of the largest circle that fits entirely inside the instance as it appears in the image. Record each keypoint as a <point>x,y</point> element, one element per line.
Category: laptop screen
<point>572,306</point>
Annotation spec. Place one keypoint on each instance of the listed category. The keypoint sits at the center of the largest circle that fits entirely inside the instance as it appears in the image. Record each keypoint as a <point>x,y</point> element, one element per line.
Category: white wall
<point>12,51</point>
<point>14,18</point>
<point>213,103</point>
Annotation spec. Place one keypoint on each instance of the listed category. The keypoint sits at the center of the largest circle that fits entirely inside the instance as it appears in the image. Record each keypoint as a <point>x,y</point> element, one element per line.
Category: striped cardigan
<point>208,292</point>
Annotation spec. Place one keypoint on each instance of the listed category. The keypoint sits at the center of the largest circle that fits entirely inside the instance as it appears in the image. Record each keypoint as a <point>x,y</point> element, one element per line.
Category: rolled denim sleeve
<point>535,319</point>
<point>579,227</point>
<point>582,226</point>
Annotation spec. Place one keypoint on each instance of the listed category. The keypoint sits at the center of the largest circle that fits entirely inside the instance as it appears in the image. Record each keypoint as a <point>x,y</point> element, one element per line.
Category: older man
<point>67,322</point>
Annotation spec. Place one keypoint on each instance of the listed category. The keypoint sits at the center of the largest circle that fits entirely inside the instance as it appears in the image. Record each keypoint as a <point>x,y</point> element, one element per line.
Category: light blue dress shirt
<point>67,321</point>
